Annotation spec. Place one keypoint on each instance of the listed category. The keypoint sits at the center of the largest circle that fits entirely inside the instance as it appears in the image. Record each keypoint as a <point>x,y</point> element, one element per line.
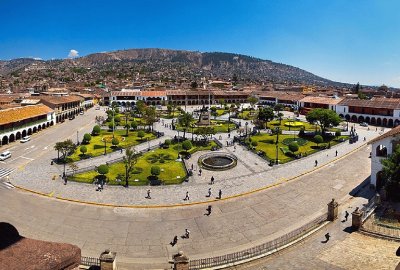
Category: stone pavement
<point>345,250</point>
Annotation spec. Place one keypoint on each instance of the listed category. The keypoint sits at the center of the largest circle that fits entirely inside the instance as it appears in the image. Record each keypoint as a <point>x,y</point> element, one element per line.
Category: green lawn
<point>172,171</point>
<point>122,123</point>
<point>245,115</point>
<point>308,127</point>
<point>96,145</point>
<point>218,125</point>
<point>166,115</point>
<point>266,143</point>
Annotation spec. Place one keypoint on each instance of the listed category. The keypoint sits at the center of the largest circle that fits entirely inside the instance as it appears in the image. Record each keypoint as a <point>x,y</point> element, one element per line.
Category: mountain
<point>174,64</point>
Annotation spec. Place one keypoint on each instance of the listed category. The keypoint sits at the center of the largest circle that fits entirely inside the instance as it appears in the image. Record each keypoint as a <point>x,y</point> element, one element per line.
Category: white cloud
<point>73,54</point>
<point>37,58</point>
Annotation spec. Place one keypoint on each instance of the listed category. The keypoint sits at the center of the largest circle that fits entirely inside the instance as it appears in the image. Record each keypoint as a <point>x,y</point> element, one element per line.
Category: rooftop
<point>382,103</point>
<point>21,113</point>
<point>322,100</point>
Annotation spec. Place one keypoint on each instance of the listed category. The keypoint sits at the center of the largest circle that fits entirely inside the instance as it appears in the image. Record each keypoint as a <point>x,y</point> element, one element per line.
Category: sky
<point>342,40</point>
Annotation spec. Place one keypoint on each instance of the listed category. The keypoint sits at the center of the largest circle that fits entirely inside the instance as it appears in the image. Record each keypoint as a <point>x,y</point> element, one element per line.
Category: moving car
<point>97,108</point>
<point>25,139</point>
<point>5,155</point>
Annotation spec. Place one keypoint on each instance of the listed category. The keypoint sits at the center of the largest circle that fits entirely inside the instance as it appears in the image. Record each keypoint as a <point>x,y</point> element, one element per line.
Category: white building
<point>382,146</point>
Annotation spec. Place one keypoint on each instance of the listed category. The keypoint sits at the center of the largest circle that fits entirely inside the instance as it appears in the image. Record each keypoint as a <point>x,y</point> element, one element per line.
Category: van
<point>5,155</point>
<point>25,139</point>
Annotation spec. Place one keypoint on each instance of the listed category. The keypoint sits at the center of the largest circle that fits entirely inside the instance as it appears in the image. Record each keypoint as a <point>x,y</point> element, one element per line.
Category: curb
<point>193,203</point>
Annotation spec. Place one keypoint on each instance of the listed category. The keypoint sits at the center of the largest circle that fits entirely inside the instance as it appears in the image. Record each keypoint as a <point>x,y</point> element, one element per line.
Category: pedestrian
<point>187,196</point>
<point>148,194</point>
<point>209,192</point>
<point>346,215</point>
<point>365,139</point>
<point>187,233</point>
<point>121,150</point>
<point>376,129</point>
<point>220,194</point>
<point>327,236</point>
<point>229,135</point>
<point>192,166</point>
<point>200,172</point>
<point>227,143</point>
<point>209,208</point>
<point>234,148</point>
<point>212,180</point>
<point>174,241</point>
<point>336,153</point>
<point>316,163</point>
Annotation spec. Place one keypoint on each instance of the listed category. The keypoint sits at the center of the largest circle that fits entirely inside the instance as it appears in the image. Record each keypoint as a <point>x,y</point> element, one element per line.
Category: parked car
<point>97,108</point>
<point>71,117</point>
<point>363,124</point>
<point>81,113</point>
<point>25,139</point>
<point>5,155</point>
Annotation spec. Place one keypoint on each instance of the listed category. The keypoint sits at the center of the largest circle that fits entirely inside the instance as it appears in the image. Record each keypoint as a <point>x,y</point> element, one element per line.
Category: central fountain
<point>218,161</point>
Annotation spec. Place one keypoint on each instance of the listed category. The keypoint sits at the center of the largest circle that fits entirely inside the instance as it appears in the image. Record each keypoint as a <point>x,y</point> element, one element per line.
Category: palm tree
<point>185,120</point>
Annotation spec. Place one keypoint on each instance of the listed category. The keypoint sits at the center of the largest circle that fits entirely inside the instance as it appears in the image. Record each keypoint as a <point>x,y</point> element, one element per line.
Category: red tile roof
<point>321,100</point>
<point>393,132</point>
<point>382,103</point>
<point>21,113</point>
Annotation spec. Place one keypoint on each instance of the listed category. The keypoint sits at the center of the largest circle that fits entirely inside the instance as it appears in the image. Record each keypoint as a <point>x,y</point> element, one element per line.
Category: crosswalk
<point>5,172</point>
<point>6,185</point>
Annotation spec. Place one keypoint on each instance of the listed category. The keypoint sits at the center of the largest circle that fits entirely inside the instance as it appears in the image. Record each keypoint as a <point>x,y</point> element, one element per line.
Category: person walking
<point>327,236</point>
<point>192,166</point>
<point>316,163</point>
<point>148,194</point>
<point>187,233</point>
<point>212,180</point>
<point>208,209</point>
<point>187,196</point>
<point>346,215</point>
<point>200,172</point>
<point>336,153</point>
<point>220,194</point>
<point>209,192</point>
<point>174,241</point>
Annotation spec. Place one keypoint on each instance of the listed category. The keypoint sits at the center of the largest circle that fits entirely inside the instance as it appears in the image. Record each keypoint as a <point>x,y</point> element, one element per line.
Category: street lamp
<point>77,137</point>
<point>192,126</point>
<point>148,143</point>
<point>178,136</point>
<point>246,124</point>
<point>105,146</point>
<point>276,144</point>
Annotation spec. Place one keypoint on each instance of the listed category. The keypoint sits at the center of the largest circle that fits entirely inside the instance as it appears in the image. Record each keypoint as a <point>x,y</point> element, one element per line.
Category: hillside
<point>170,64</point>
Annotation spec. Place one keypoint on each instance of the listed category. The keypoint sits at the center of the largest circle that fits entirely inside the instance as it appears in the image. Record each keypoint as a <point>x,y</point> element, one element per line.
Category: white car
<point>25,139</point>
<point>81,113</point>
<point>364,124</point>
<point>5,155</point>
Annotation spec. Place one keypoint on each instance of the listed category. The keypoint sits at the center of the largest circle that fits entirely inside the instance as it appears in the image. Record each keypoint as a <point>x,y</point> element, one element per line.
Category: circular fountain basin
<point>218,161</point>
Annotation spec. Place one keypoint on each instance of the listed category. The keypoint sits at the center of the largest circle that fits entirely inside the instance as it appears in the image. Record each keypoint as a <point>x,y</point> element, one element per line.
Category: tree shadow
<point>349,229</point>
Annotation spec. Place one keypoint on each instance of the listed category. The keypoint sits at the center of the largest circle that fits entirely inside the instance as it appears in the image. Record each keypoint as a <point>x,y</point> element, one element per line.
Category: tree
<point>213,110</point>
<point>185,120</point>
<point>115,142</point>
<point>187,145</point>
<point>356,88</point>
<point>65,148</point>
<point>391,174</point>
<point>141,134</point>
<point>117,119</point>
<point>252,100</point>
<point>193,85</point>
<point>221,102</point>
<point>278,108</point>
<point>96,130</point>
<point>323,117</point>
<point>150,116</point>
<point>103,170</point>
<point>205,132</point>
<point>294,146</point>
<point>130,159</point>
<point>265,115</point>
<point>134,125</point>
<point>337,133</point>
<point>111,125</point>
<point>140,107</point>
<point>169,109</point>
<point>155,171</point>
<point>318,139</point>
<point>73,167</point>
<point>86,138</point>
<point>83,150</point>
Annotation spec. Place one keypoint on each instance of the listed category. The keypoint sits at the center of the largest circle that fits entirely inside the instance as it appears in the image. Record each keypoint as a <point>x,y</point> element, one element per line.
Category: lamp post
<point>113,120</point>
<point>178,136</point>
<point>276,145</point>
<point>77,137</point>
<point>148,143</point>
<point>246,124</point>
<point>192,126</point>
<point>105,146</point>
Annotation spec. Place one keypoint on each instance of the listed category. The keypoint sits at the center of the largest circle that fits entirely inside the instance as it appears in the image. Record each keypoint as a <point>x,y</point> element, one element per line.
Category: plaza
<point>259,203</point>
